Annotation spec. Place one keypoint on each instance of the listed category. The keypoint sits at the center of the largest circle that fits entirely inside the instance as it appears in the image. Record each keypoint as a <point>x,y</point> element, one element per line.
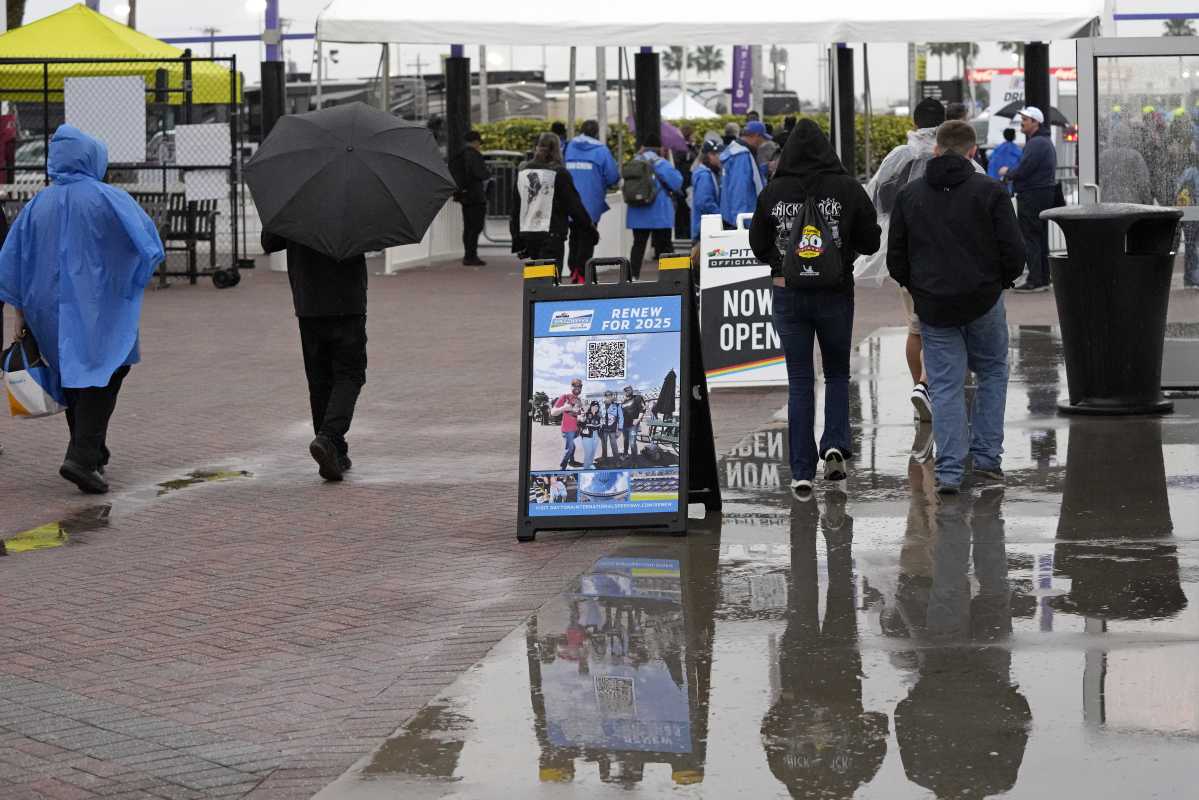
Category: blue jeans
<point>1190,274</point>
<point>569,438</point>
<point>589,443</point>
<point>800,318</point>
<point>982,347</point>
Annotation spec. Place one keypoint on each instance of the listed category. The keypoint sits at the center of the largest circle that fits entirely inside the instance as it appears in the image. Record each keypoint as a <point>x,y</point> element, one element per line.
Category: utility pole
<point>212,32</point>
<point>131,20</point>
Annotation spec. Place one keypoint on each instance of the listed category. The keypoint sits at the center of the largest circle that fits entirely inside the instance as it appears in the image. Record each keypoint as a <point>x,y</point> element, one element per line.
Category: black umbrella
<point>1055,117</point>
<point>348,179</point>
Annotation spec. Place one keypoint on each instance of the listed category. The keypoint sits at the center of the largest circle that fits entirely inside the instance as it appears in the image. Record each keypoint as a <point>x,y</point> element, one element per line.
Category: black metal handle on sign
<point>626,269</point>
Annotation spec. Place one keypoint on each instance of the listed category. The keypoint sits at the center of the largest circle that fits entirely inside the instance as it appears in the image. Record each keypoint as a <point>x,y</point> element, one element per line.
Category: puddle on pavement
<point>1038,641</point>
<point>69,530</point>
<point>202,476</point>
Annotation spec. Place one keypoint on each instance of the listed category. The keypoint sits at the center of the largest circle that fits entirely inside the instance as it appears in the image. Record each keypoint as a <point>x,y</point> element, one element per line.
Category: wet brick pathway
<point>256,636</point>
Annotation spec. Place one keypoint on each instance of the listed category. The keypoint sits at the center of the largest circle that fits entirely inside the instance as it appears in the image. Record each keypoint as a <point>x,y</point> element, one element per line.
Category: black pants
<point>1029,205</point>
<point>544,247</point>
<point>88,413</point>
<point>662,244</point>
<point>582,250</point>
<point>473,219</point>
<point>335,362</point>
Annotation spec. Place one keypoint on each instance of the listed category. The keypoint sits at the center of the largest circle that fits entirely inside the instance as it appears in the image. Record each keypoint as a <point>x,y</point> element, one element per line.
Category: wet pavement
<point>1039,640</point>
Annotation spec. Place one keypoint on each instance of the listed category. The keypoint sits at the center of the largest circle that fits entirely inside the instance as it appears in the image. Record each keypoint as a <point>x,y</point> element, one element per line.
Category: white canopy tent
<point>692,109</point>
<point>706,22</point>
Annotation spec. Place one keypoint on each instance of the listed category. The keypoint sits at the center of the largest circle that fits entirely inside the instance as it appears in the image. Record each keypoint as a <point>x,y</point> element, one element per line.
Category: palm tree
<point>1173,27</point>
<point>709,59</point>
<point>16,13</point>
<point>1014,47</point>
<point>672,59</point>
<point>940,50</point>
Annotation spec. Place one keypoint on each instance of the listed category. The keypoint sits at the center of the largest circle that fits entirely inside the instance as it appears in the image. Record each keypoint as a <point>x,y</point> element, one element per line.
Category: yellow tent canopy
<point>80,33</point>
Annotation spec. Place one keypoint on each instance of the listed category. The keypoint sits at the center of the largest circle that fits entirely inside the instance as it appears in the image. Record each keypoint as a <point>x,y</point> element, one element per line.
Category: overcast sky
<point>186,17</point>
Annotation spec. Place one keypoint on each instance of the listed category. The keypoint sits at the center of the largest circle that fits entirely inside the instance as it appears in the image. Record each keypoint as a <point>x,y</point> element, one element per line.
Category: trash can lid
<point>1105,211</point>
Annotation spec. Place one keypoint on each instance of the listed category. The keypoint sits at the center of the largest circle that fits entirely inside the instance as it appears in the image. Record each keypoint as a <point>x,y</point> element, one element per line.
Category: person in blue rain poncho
<point>75,266</point>
<point>705,185</point>
<point>654,221</point>
<point>741,178</point>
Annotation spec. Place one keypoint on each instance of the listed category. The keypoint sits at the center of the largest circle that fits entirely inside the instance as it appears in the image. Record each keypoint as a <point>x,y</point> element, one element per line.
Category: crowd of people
<point>608,430</point>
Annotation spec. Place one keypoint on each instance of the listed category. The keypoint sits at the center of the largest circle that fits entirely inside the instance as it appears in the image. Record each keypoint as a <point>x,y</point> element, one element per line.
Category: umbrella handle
<point>626,269</point>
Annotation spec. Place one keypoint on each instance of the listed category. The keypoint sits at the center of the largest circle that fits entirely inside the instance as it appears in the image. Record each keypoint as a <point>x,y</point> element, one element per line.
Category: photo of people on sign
<point>605,405</point>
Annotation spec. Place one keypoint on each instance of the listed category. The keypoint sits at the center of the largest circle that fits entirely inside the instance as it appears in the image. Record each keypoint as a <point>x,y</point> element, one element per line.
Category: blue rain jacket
<point>1005,155</point>
<point>660,213</point>
<point>77,261</point>
<point>593,170</point>
<point>705,196</point>
<point>740,182</point>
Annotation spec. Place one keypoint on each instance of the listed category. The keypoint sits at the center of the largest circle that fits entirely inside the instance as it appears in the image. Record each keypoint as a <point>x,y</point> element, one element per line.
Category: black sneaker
<point>345,462</point>
<point>922,402</point>
<point>473,262</point>
<point>834,465</point>
<point>1028,287</point>
<point>324,453</point>
<point>989,473</point>
<point>88,481</point>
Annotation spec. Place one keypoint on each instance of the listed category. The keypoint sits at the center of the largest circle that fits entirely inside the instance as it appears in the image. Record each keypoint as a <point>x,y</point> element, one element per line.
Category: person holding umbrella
<point>331,186</point>
<point>544,201</point>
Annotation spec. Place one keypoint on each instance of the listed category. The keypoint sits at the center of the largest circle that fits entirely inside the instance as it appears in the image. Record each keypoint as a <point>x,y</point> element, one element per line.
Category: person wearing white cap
<point>1034,179</point>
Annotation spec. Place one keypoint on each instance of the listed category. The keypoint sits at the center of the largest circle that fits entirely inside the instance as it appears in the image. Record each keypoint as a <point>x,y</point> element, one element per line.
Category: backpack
<point>639,184</point>
<point>813,257</point>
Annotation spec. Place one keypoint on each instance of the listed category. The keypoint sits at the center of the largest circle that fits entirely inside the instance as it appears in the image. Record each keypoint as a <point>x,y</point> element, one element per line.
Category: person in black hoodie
<point>954,243</point>
<point>809,166</point>
<point>471,173</point>
<point>544,202</point>
<point>330,302</point>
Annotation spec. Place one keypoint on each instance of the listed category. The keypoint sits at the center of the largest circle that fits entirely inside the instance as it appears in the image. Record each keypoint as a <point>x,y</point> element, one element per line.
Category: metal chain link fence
<point>173,132</point>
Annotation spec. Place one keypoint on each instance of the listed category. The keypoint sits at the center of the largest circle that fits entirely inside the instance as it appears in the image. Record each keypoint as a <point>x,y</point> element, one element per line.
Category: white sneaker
<point>922,403</point>
<point>834,465</point>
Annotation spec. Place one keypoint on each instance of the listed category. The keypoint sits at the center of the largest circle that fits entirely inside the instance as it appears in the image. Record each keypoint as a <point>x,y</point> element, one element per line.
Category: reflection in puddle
<point>57,534</point>
<point>202,476</point>
<point>1030,641</point>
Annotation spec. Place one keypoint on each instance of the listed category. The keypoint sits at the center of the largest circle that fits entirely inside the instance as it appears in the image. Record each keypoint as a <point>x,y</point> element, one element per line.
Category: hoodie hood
<point>583,142</point>
<point>75,156</point>
<point>923,140</point>
<point>945,172</point>
<point>808,154</point>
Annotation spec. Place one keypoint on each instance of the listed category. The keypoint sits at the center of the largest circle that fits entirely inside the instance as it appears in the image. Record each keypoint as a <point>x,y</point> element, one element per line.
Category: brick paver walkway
<point>254,636</point>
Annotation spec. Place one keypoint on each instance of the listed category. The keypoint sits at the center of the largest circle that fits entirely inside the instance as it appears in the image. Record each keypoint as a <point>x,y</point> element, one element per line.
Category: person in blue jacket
<point>593,169</point>
<point>1005,157</point>
<point>655,220</point>
<point>741,176</point>
<point>75,267</point>
<point>705,185</point>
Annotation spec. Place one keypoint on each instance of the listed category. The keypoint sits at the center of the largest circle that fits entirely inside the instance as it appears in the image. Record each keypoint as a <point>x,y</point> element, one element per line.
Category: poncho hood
<point>75,156</point>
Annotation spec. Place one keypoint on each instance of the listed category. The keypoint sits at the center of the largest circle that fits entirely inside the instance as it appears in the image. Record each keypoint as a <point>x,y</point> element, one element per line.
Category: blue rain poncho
<point>77,261</point>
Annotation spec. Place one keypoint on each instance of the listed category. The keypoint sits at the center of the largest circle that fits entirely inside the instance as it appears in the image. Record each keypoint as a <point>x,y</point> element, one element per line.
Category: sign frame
<point>698,478</point>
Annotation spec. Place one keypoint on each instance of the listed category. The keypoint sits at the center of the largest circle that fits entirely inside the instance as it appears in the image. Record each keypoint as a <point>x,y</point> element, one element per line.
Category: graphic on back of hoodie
<point>536,187</point>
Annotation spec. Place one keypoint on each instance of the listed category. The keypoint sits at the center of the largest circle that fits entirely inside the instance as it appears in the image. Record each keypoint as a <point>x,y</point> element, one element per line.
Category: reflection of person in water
<point>963,727</point>
<point>819,740</point>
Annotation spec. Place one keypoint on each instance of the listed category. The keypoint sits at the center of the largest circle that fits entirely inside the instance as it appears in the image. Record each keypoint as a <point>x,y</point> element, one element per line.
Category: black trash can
<point>1112,290</point>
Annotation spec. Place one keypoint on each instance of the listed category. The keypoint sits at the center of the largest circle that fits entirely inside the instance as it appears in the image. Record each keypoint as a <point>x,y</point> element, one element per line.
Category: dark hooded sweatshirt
<point>954,242</point>
<point>808,164</point>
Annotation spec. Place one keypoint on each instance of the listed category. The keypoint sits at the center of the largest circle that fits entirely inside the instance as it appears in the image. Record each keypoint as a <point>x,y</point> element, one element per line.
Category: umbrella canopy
<point>1055,117</point>
<point>672,137</point>
<point>348,179</point>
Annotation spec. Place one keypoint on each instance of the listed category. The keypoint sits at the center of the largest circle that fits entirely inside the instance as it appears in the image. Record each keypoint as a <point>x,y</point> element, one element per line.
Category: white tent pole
<point>570,98</point>
<point>385,79</point>
<point>834,101</point>
<point>683,80</point>
<point>601,92</point>
<point>484,94</point>
<point>620,103</point>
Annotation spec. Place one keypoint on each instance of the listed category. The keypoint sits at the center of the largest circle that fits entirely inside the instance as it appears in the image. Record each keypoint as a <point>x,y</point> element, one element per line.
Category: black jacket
<point>320,285</point>
<point>1038,165</point>
<point>954,242</point>
<point>542,208</point>
<point>471,173</point>
<point>808,164</point>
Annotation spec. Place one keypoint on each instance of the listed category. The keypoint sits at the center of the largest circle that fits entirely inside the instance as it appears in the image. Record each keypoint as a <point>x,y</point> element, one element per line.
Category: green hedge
<point>887,132</point>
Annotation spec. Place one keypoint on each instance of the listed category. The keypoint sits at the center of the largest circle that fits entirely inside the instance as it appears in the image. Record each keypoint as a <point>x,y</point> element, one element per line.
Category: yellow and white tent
<point>80,33</point>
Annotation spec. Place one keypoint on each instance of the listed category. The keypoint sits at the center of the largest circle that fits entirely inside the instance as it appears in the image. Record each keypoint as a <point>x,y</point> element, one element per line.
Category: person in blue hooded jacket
<point>741,176</point>
<point>593,169</point>
<point>1005,157</point>
<point>655,220</point>
<point>705,185</point>
<point>75,267</point>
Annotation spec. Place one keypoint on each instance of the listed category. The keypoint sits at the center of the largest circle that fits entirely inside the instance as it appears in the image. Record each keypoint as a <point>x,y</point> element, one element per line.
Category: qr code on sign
<point>607,360</point>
